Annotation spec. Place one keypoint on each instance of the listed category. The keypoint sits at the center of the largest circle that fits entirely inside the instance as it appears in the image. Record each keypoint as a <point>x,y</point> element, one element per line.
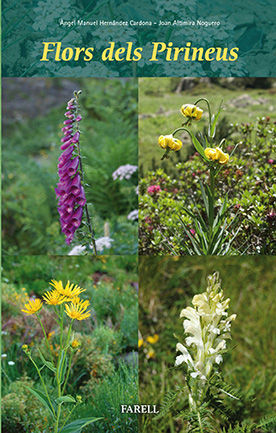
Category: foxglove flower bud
<point>69,191</point>
<point>207,327</point>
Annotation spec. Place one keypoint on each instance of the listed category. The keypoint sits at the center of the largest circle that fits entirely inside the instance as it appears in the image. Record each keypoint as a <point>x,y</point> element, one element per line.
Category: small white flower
<point>185,357</point>
<point>11,363</point>
<point>218,359</point>
<point>4,355</point>
<point>104,242</point>
<point>124,172</point>
<point>4,333</point>
<point>76,251</point>
<point>216,331</point>
<point>133,215</point>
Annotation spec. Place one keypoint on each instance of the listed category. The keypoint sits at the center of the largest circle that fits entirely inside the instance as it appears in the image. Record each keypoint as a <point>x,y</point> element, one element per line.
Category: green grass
<point>249,365</point>
<point>159,113</point>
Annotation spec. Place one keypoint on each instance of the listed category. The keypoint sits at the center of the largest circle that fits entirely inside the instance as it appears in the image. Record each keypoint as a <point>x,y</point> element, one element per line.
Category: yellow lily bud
<point>191,111</point>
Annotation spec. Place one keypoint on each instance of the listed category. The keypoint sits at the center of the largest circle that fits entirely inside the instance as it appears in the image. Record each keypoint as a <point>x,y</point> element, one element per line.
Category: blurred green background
<point>33,112</point>
<point>167,285</point>
<point>104,370</point>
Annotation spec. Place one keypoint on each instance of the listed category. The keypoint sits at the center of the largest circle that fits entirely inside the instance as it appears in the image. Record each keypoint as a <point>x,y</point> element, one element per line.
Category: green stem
<point>45,336</point>
<point>58,415</point>
<point>43,383</point>
<point>182,129</point>
<point>68,372</point>
<point>66,344</point>
<point>212,204</point>
<point>199,421</point>
<point>209,109</point>
<point>61,333</point>
<point>68,416</point>
<point>61,326</point>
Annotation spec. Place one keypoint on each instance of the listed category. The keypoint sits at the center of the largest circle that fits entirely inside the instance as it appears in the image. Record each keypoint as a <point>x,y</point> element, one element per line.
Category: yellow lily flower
<point>165,141</point>
<point>191,111</point>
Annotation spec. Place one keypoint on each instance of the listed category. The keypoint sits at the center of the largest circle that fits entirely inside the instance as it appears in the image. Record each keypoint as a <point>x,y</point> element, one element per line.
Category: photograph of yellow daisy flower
<point>70,336</point>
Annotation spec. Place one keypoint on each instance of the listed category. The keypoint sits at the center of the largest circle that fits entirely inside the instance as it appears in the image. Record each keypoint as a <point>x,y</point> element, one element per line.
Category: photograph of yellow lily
<point>210,190</point>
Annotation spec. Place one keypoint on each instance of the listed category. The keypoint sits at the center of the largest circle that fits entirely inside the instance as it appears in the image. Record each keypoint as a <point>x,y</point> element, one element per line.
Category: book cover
<point>138,216</point>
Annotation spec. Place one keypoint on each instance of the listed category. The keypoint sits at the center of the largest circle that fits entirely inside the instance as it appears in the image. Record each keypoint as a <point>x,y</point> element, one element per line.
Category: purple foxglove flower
<point>67,154</point>
<point>76,137</point>
<point>66,138</point>
<point>76,217</point>
<point>69,191</point>
<point>65,145</point>
<point>81,198</point>
<point>68,122</point>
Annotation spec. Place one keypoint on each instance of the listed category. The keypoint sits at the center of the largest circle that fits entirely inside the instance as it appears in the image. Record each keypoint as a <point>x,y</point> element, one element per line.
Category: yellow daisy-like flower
<point>69,291</point>
<point>53,298</point>
<point>153,340</point>
<point>191,111</point>
<point>165,141</point>
<point>77,310</point>
<point>75,343</point>
<point>140,342</point>
<point>33,306</point>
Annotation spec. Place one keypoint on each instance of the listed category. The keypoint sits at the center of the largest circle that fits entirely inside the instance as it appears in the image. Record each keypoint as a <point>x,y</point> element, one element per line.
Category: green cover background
<point>246,24</point>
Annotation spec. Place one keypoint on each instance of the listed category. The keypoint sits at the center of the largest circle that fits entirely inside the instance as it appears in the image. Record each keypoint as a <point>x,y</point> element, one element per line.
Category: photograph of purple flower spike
<point>70,176</point>
<point>70,190</point>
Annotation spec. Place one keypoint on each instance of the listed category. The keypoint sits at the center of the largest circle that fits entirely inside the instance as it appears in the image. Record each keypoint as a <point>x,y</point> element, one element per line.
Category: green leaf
<point>210,206</point>
<point>195,243</point>
<point>198,147</point>
<point>65,399</point>
<point>201,236</point>
<point>77,425</point>
<point>62,367</point>
<point>44,400</point>
<point>212,131</point>
<point>48,364</point>
<point>204,196</point>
